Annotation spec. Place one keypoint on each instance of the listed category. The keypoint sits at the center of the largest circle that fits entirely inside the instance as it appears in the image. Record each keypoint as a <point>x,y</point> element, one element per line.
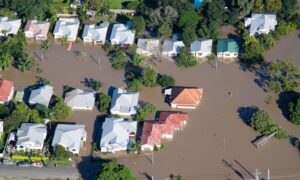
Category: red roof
<point>176,119</point>
<point>5,90</point>
<point>151,133</point>
<point>187,96</point>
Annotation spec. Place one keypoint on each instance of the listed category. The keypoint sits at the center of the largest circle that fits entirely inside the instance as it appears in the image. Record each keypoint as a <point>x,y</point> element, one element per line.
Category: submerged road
<point>12,171</point>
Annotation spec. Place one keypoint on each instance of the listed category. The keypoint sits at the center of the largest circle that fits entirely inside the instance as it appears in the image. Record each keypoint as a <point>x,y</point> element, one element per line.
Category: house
<point>95,33</point>
<point>147,47</point>
<point>177,119</point>
<point>121,34</point>
<point>31,136</point>
<point>201,48</point>
<point>70,136</point>
<point>6,91</point>
<point>151,136</point>
<point>37,29</point>
<point>78,99</point>
<point>261,23</point>
<point>66,27</point>
<point>184,98</point>
<point>9,26</point>
<point>227,48</point>
<point>116,134</point>
<point>41,95</point>
<point>124,103</point>
<point>172,47</point>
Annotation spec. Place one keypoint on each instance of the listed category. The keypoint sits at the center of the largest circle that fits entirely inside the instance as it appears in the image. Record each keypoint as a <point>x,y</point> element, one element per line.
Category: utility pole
<point>257,173</point>
<point>268,174</point>
<point>152,157</point>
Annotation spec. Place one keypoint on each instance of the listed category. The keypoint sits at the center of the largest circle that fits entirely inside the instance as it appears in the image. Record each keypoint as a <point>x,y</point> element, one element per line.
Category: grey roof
<point>32,133</point>
<point>121,34</point>
<point>41,95</point>
<point>11,25</point>
<point>149,45</point>
<point>202,46</point>
<point>115,133</point>
<point>69,136</point>
<point>79,99</point>
<point>172,46</point>
<point>261,22</point>
<point>123,102</point>
<point>66,27</point>
<point>95,32</point>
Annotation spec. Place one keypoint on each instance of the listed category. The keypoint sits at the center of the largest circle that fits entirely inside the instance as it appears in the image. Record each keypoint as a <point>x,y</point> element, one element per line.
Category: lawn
<point>117,4</point>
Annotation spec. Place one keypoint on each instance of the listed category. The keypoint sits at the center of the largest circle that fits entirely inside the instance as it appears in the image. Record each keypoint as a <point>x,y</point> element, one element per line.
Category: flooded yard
<point>216,144</point>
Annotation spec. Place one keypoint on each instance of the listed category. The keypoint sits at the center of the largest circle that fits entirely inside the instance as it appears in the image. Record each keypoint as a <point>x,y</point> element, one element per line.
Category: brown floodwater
<point>216,143</point>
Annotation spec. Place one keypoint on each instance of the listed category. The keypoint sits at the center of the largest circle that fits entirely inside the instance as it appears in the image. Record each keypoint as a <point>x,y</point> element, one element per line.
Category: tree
<point>44,47</point>
<point>135,85</point>
<point>284,76</point>
<point>61,110</point>
<point>64,40</point>
<point>188,18</point>
<point>96,5</point>
<point>273,5</point>
<point>103,102</point>
<point>165,30</point>
<point>166,80</point>
<point>144,111</point>
<point>149,77</point>
<point>294,110</point>
<point>267,41</point>
<point>113,171</point>
<point>61,154</point>
<point>253,53</point>
<point>4,111</point>
<point>186,59</point>
<point>258,6</point>
<point>135,147</point>
<point>137,60</point>
<point>262,122</point>
<point>159,16</point>
<point>94,84</point>
<point>289,9</point>
<point>119,60</point>
<point>24,62</point>
<point>189,35</point>
<point>139,24</point>
<point>5,61</point>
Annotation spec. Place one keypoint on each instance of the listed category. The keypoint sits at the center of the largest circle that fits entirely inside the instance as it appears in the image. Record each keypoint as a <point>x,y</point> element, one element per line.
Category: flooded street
<point>216,144</point>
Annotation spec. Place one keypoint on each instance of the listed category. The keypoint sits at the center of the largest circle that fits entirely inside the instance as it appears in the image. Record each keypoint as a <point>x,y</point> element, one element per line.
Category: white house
<point>95,33</point>
<point>124,103</point>
<point>70,136</point>
<point>147,47</point>
<point>41,95</point>
<point>66,27</point>
<point>9,26</point>
<point>116,133</point>
<point>201,48</point>
<point>31,136</point>
<point>78,99</point>
<point>172,47</point>
<point>37,29</point>
<point>261,23</point>
<point>121,34</point>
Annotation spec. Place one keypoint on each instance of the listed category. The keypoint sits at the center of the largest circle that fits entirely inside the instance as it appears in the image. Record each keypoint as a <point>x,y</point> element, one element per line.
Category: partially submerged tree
<point>186,59</point>
<point>103,102</point>
<point>113,171</point>
<point>61,110</point>
<point>165,80</point>
<point>294,110</point>
<point>149,77</point>
<point>144,111</point>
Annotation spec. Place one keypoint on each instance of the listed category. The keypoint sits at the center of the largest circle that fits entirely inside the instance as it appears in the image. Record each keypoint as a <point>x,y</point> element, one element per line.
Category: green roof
<point>19,96</point>
<point>225,45</point>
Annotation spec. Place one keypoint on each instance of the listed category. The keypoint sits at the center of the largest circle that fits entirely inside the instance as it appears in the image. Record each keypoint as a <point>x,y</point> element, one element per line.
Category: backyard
<point>118,4</point>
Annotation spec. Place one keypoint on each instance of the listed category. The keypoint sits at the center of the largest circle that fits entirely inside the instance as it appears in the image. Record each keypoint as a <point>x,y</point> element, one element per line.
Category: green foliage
<point>4,111</point>
<point>96,5</point>
<point>149,77</point>
<point>258,6</point>
<point>262,122</point>
<point>138,60</point>
<point>64,40</point>
<point>113,171</point>
<point>165,80</point>
<point>135,147</point>
<point>165,31</point>
<point>294,110</point>
<point>94,84</point>
<point>135,85</point>
<point>253,52</point>
<point>186,59</point>
<point>139,24</point>
<point>273,5</point>
<point>188,18</point>
<point>61,154</point>
<point>189,35</point>
<point>61,110</point>
<point>119,60</point>
<point>289,9</point>
<point>5,61</point>
<point>144,111</point>
<point>267,41</point>
<point>284,76</point>
<point>284,29</point>
<point>103,102</point>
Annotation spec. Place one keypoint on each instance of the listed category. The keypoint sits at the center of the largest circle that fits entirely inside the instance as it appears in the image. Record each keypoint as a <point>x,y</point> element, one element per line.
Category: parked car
<point>37,164</point>
<point>8,161</point>
<point>23,164</point>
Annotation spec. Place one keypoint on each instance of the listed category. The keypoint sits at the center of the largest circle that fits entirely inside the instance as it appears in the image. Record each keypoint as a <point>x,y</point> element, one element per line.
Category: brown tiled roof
<point>5,89</point>
<point>188,96</point>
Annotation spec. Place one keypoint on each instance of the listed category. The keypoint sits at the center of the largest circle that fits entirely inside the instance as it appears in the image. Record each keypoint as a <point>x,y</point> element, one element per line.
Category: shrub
<point>294,109</point>
<point>144,111</point>
<point>112,171</point>
<point>135,85</point>
<point>149,77</point>
<point>186,59</point>
<point>103,102</point>
<point>165,80</point>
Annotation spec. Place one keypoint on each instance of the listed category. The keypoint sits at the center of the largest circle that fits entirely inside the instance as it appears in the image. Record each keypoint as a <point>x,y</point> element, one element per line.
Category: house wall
<point>181,106</point>
<point>227,55</point>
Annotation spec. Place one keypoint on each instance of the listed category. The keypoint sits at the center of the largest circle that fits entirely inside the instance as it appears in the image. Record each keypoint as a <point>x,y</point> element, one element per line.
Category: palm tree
<point>44,47</point>
<point>64,40</point>
<point>5,61</point>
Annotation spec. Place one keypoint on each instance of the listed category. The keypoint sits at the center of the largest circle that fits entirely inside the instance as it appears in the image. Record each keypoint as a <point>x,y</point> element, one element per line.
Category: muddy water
<point>215,134</point>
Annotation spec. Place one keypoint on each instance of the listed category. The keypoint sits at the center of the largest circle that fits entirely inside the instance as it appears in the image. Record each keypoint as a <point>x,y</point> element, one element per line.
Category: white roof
<point>202,46</point>
<point>69,136</point>
<point>121,34</point>
<point>172,46</point>
<point>1,126</point>
<point>31,133</point>
<point>11,25</point>
<point>115,133</point>
<point>124,102</point>
<point>78,99</point>
<point>95,32</point>
<point>261,22</point>
<point>41,95</point>
<point>149,45</point>
<point>67,27</point>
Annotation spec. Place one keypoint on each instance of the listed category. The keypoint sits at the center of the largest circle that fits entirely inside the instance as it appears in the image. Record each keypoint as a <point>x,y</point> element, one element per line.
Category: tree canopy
<point>294,110</point>
<point>144,111</point>
<point>113,171</point>
<point>103,102</point>
<point>149,77</point>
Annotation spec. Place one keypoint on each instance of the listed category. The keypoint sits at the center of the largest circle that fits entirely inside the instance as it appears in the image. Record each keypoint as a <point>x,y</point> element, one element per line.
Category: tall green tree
<point>113,171</point>
<point>61,110</point>
<point>103,102</point>
<point>144,111</point>
<point>273,5</point>
<point>186,59</point>
<point>289,9</point>
<point>165,30</point>
<point>5,61</point>
<point>294,110</point>
<point>139,24</point>
<point>149,77</point>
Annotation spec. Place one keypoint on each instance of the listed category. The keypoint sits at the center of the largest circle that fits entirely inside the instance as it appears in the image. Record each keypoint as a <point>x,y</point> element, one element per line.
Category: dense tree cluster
<point>144,111</point>
<point>294,110</point>
<point>103,102</point>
